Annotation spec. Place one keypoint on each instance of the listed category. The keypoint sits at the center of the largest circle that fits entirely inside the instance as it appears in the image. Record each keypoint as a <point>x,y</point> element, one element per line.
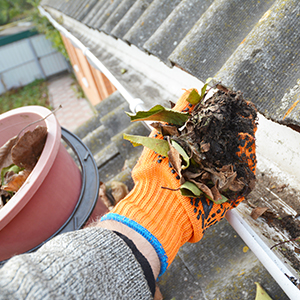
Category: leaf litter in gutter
<point>203,148</point>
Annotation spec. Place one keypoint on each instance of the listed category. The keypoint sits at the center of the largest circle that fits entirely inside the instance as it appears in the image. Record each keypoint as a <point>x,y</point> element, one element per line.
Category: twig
<point>170,189</point>
<point>291,240</point>
<point>37,121</point>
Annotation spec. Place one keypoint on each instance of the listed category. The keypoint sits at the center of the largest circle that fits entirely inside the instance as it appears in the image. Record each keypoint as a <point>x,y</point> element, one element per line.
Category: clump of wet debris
<point>205,147</point>
<point>212,137</point>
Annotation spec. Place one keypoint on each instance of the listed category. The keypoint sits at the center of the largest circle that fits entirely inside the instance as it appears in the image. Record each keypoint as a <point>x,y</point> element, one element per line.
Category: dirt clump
<point>213,136</point>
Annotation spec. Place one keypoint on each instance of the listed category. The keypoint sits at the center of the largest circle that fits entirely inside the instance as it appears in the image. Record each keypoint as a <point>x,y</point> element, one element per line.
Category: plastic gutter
<point>271,262</point>
<point>265,136</point>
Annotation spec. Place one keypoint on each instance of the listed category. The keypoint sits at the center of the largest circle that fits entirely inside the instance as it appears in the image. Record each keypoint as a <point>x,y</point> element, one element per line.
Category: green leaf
<point>193,97</point>
<point>157,145</point>
<point>203,90</point>
<point>220,201</point>
<point>13,168</point>
<point>182,153</point>
<point>190,189</point>
<point>261,294</point>
<point>160,113</point>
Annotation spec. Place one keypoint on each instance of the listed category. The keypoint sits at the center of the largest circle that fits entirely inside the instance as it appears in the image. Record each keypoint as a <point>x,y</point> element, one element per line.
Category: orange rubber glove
<point>164,217</point>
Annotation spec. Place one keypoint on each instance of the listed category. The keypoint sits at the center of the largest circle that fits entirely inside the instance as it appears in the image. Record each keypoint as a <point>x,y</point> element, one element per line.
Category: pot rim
<point>42,167</point>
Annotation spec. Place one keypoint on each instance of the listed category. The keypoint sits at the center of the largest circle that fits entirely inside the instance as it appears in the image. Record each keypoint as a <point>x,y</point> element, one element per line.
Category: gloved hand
<point>165,217</point>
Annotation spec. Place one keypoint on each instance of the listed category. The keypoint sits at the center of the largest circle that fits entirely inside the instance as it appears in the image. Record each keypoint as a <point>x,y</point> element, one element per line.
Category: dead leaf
<point>297,250</point>
<point>204,146</point>
<point>119,190</point>
<point>204,188</point>
<point>190,175</point>
<point>216,194</point>
<point>15,181</point>
<point>172,104</point>
<point>103,196</point>
<point>175,159</point>
<point>5,153</point>
<point>281,187</point>
<point>158,295</point>
<point>165,129</point>
<point>27,150</point>
<point>237,185</point>
<point>257,212</point>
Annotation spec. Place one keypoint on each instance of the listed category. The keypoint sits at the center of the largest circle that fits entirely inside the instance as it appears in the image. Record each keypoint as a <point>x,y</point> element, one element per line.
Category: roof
<point>250,46</point>
<point>239,43</point>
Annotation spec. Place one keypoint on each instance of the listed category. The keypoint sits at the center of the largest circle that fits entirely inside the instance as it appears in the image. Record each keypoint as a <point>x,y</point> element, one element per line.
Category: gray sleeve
<point>92,263</point>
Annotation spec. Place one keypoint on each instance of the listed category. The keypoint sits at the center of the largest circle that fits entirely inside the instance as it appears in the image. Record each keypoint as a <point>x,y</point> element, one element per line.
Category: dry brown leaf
<point>190,175</point>
<point>165,129</point>
<point>204,188</point>
<point>158,295</point>
<point>5,153</point>
<point>204,146</point>
<point>29,147</point>
<point>103,196</point>
<point>297,250</point>
<point>216,194</point>
<point>281,187</point>
<point>218,178</point>
<point>189,126</point>
<point>236,186</point>
<point>175,159</point>
<point>15,181</point>
<point>257,212</point>
<point>119,190</point>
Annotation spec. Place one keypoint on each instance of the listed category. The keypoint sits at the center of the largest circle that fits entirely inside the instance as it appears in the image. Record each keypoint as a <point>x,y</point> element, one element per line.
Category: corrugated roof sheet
<point>247,45</point>
<point>116,16</point>
<point>175,27</point>
<point>266,66</point>
<point>130,18</point>
<point>149,21</point>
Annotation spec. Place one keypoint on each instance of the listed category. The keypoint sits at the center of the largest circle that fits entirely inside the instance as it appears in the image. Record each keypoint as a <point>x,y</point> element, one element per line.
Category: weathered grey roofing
<point>250,46</point>
<point>175,27</point>
<point>130,18</point>
<point>149,21</point>
<point>96,12</point>
<point>216,35</point>
<point>116,16</point>
<point>266,66</point>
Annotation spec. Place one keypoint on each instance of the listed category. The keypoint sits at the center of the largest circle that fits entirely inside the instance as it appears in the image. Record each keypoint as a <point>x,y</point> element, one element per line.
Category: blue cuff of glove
<point>146,234</point>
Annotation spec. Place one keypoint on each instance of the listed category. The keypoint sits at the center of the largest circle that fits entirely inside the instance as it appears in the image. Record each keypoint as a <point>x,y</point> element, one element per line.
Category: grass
<point>35,93</point>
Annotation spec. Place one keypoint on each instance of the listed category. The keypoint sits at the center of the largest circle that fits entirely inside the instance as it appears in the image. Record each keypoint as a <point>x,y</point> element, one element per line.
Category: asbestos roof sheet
<point>149,21</point>
<point>130,18</point>
<point>252,46</point>
<point>116,16</point>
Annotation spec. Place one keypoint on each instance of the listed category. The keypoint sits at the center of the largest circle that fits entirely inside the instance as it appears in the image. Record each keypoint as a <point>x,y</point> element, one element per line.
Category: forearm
<point>93,263</point>
<point>141,243</point>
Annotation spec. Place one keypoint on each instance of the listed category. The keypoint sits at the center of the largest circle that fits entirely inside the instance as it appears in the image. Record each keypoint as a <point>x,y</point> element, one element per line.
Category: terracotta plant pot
<point>48,197</point>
